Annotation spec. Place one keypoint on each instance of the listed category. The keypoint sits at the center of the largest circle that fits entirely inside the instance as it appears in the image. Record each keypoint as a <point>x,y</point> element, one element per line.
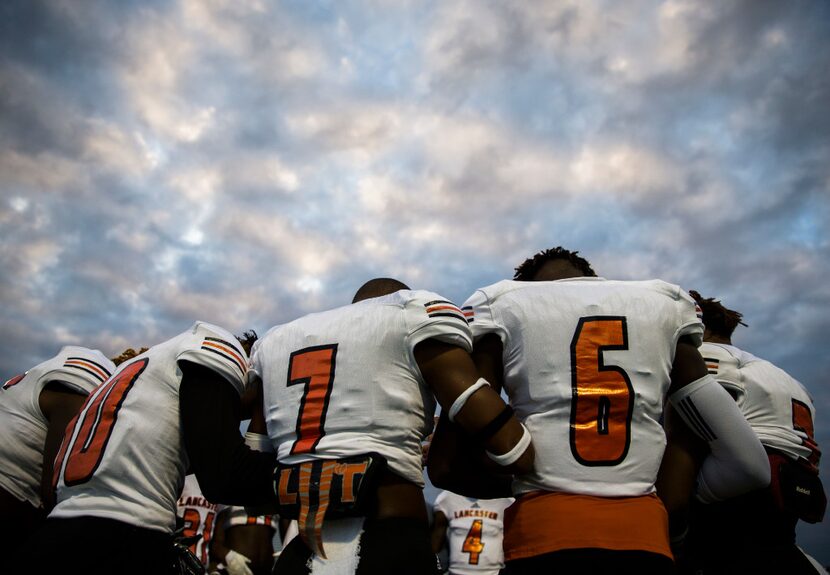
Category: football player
<point>588,364</point>
<point>121,468</point>
<point>756,532</point>
<point>245,542</point>
<point>34,410</point>
<point>198,518</point>
<point>348,401</point>
<point>474,529</point>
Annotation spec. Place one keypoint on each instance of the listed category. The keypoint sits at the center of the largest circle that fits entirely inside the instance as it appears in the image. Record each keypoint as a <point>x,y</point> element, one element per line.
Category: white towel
<point>341,542</point>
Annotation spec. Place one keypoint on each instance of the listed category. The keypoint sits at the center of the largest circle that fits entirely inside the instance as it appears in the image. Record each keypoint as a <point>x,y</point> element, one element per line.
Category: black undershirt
<point>228,471</point>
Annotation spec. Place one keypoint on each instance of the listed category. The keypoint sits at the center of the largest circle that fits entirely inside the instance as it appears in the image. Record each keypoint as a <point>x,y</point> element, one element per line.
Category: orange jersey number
<point>13,381</point>
<point>100,413</point>
<point>472,543</point>
<point>312,367</point>
<point>803,421</point>
<point>193,526</point>
<point>602,395</point>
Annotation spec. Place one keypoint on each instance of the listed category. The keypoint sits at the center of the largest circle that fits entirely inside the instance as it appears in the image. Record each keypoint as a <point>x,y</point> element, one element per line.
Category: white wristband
<point>259,442</point>
<point>514,454</point>
<point>459,402</point>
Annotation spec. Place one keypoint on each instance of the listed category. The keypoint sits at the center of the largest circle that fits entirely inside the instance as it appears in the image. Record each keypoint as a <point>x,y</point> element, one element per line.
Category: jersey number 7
<point>312,367</point>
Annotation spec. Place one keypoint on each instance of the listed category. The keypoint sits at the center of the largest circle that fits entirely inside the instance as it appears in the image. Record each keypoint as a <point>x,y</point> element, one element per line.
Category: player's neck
<point>712,338</point>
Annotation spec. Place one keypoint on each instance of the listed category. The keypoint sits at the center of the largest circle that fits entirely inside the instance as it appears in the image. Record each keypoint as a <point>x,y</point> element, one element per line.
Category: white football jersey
<point>777,406</point>
<point>475,532</point>
<point>124,457</point>
<point>198,515</point>
<point>586,367</point>
<point>345,381</point>
<point>237,516</point>
<point>22,424</point>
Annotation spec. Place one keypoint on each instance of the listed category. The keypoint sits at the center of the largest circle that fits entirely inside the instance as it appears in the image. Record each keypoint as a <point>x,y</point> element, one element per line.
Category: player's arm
<point>438,531</point>
<point>487,355</point>
<point>737,462</point>
<point>235,563</point>
<point>252,544</point>
<point>476,409</point>
<point>59,404</point>
<point>677,477</point>
<point>459,463</point>
<point>227,469</point>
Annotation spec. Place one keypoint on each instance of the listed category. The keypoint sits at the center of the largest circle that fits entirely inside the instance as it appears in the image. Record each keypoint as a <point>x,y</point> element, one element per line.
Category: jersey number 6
<point>602,395</point>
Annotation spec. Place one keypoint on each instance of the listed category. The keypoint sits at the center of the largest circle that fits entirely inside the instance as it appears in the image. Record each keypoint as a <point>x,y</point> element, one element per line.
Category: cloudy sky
<point>246,162</point>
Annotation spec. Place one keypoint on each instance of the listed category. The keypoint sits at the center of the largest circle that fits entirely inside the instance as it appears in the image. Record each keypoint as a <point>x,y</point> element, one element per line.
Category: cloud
<point>249,162</point>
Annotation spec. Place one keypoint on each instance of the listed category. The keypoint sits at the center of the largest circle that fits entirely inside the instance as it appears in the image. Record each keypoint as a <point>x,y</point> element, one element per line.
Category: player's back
<point>24,425</point>
<point>756,532</point>
<point>345,382</point>
<point>586,366</point>
<point>124,456</point>
<point>475,531</point>
<point>776,405</point>
<point>199,517</point>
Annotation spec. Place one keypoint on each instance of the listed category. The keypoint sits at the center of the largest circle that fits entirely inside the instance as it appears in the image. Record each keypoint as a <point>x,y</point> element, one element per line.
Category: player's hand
<point>237,563</point>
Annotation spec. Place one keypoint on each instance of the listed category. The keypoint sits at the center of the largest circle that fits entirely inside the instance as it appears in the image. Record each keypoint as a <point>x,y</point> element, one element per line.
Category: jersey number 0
<point>100,413</point>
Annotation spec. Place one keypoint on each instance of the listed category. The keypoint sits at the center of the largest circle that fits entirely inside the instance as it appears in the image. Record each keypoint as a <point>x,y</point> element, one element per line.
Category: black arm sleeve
<point>228,470</point>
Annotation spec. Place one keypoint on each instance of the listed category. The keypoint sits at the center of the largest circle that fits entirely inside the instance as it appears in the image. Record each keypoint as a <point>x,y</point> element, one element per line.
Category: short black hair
<point>717,318</point>
<point>378,287</point>
<point>528,268</point>
<point>247,339</point>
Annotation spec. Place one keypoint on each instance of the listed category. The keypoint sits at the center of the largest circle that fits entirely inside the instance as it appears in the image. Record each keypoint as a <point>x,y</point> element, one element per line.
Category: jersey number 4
<point>472,543</point>
<point>312,367</point>
<point>602,395</point>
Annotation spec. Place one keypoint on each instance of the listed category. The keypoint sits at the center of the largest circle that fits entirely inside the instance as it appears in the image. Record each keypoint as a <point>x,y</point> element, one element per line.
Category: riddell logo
<point>802,490</point>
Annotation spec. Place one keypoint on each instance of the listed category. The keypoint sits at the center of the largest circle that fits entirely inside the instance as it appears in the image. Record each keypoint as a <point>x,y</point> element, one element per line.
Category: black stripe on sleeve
<point>700,417</point>
<point>89,371</point>
<point>104,369</point>
<point>692,420</point>
<point>449,314</point>
<point>232,359</point>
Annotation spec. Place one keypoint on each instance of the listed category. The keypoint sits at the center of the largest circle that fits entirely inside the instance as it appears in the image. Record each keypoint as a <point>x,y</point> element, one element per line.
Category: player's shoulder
<point>500,289</point>
<point>211,332</point>
<point>410,298</point>
<point>80,368</point>
<point>724,350</point>
<point>651,286</point>
<point>765,372</point>
<point>211,346</point>
<point>417,307</point>
<point>744,358</point>
<point>443,499</point>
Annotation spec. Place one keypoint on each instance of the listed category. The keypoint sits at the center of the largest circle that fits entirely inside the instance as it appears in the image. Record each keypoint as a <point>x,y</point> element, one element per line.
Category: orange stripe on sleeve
<point>440,307</point>
<point>229,351</point>
<point>89,366</point>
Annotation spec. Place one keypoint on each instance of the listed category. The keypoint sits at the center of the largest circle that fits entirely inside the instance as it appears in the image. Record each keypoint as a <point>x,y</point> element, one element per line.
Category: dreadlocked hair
<point>247,339</point>
<point>128,353</point>
<point>530,266</point>
<point>717,318</point>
